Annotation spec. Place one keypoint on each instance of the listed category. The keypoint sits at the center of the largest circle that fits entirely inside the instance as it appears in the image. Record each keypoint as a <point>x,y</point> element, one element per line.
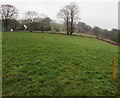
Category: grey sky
<point>102,13</point>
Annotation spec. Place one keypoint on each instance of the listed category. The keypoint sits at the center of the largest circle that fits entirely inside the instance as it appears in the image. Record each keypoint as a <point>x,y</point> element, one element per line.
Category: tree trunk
<point>71,28</point>
<point>67,27</point>
<point>42,28</point>
<point>30,27</point>
<point>6,25</point>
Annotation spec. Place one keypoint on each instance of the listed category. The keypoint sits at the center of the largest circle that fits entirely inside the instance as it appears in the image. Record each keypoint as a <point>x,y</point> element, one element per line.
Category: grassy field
<point>37,64</point>
<point>85,34</point>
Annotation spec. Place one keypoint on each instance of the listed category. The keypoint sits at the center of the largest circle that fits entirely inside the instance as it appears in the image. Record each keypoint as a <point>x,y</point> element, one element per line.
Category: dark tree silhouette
<point>8,12</point>
<point>70,14</point>
<point>73,10</point>
<point>64,13</point>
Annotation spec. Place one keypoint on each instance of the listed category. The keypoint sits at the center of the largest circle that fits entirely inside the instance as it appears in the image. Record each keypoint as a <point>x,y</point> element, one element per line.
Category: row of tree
<point>69,14</point>
<point>33,21</point>
<point>100,33</point>
<point>36,22</point>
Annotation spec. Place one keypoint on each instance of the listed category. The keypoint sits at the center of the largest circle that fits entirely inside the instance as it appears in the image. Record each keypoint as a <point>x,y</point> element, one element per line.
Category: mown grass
<point>37,64</point>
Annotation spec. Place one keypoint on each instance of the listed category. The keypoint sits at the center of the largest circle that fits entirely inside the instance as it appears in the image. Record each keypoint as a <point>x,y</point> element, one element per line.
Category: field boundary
<point>110,42</point>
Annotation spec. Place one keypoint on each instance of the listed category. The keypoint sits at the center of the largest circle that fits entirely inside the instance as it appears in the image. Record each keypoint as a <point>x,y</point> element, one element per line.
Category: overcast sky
<point>102,13</point>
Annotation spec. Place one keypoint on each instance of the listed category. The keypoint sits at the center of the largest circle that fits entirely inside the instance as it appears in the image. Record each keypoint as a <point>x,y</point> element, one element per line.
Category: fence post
<point>114,68</point>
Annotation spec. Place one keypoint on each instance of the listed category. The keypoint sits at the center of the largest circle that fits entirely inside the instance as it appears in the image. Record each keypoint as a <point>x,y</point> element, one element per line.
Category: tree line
<point>33,21</point>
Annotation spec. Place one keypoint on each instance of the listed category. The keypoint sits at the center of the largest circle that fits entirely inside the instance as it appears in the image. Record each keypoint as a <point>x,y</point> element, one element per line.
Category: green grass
<point>37,64</point>
<point>85,34</point>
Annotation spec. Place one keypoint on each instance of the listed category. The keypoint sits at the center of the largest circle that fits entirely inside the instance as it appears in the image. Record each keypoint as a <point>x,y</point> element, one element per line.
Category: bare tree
<point>8,12</point>
<point>31,17</point>
<point>70,14</point>
<point>64,13</point>
<point>73,10</point>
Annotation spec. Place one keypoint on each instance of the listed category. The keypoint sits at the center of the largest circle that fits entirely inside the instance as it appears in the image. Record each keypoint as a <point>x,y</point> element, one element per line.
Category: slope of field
<point>36,64</point>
